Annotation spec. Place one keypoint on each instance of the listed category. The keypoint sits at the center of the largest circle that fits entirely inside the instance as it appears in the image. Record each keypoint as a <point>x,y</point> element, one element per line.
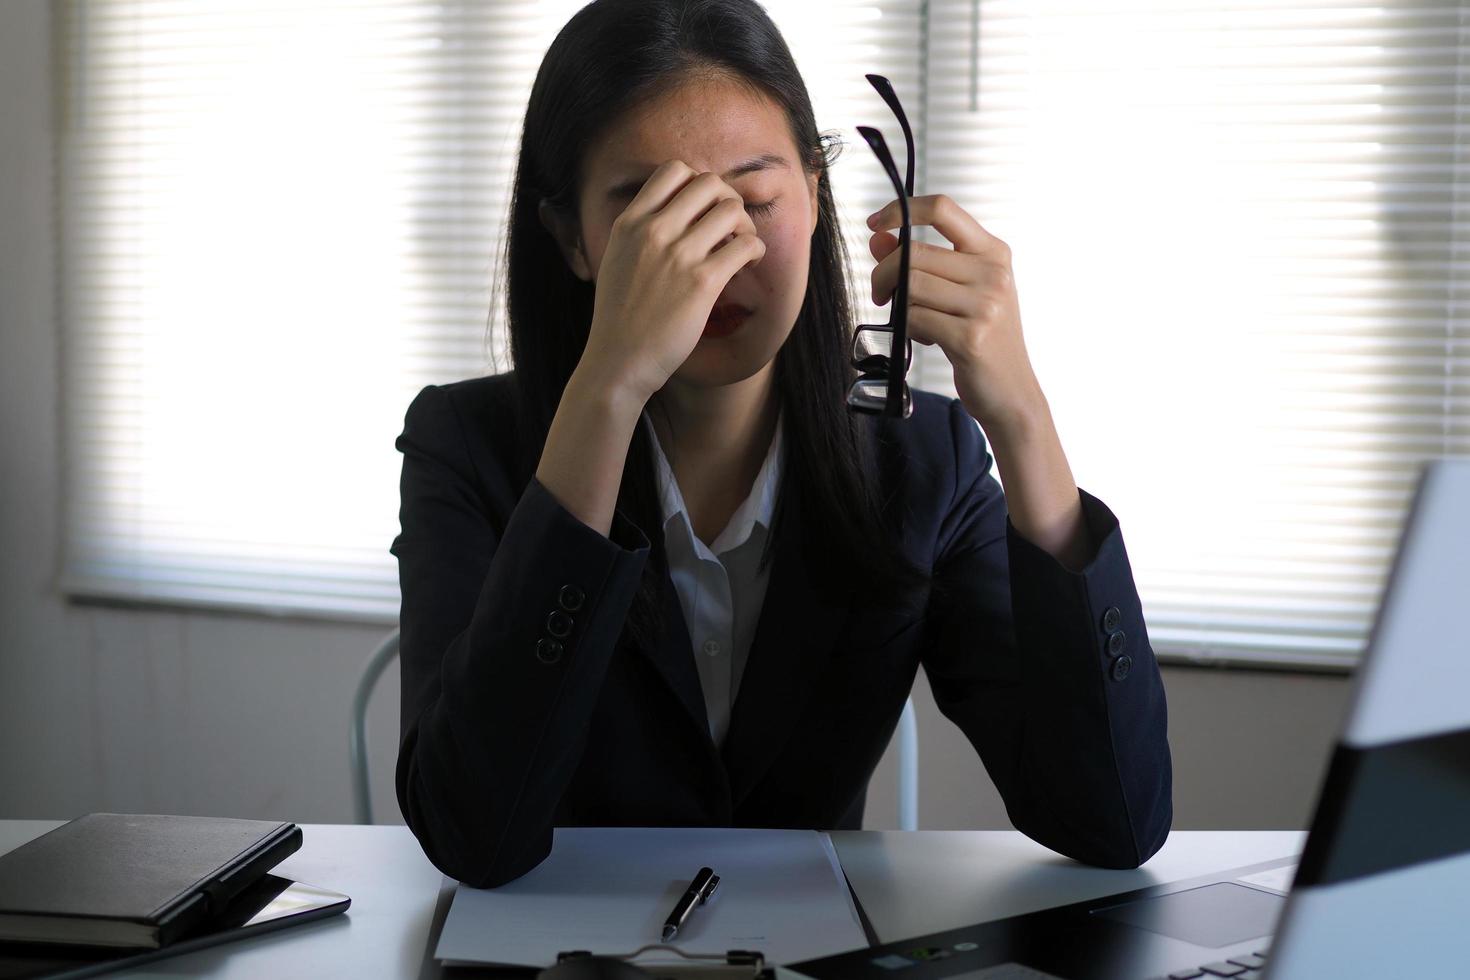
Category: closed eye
<point>762,209</point>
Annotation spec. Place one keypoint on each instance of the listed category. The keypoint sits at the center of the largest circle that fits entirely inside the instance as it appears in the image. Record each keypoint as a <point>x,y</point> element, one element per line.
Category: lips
<point>724,311</point>
<point>725,318</point>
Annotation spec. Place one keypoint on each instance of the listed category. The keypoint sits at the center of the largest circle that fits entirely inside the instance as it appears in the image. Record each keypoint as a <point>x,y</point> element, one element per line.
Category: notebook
<point>131,879</point>
<point>607,890</point>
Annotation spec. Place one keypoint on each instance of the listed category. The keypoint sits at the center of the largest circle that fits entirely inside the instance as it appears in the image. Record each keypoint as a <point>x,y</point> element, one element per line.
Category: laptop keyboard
<point>1243,967</point>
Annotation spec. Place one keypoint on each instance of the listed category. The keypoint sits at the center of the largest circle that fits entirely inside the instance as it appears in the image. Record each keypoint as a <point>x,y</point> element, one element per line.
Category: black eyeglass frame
<point>867,356</point>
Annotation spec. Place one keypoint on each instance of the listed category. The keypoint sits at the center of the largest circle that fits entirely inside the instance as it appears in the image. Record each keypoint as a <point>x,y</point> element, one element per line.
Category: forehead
<point>710,124</point>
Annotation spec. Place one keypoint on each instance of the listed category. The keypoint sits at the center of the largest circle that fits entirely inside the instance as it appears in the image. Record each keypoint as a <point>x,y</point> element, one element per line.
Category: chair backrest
<point>362,802</point>
<point>907,737</point>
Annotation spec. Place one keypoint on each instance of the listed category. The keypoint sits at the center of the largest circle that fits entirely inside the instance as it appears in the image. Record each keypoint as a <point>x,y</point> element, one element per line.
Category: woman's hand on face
<point>684,236</point>
<point>963,299</point>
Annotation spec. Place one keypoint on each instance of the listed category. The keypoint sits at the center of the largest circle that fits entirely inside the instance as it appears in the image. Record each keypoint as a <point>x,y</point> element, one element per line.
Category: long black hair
<point>608,57</point>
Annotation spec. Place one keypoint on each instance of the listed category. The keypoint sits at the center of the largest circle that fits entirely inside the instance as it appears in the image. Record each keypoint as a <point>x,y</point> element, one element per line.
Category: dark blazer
<point>505,736</point>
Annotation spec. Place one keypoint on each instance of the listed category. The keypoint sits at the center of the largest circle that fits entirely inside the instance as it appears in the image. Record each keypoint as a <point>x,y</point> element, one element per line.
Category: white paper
<point>609,889</point>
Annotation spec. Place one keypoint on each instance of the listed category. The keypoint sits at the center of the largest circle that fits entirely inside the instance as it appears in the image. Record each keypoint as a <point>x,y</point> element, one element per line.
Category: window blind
<point>280,220</point>
<point>1238,231</point>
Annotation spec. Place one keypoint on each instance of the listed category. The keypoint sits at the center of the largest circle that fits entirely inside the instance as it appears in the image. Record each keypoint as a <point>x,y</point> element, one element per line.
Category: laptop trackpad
<point>1212,915</point>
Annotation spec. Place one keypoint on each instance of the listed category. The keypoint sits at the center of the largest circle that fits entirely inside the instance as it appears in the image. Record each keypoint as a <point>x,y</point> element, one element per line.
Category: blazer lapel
<point>672,655</point>
<point>794,640</point>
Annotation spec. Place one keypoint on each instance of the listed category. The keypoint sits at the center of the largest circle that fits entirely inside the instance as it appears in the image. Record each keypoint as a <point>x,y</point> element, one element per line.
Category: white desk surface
<point>909,882</point>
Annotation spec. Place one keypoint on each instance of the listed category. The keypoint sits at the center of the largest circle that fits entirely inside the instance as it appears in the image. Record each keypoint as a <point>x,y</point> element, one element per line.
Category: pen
<point>698,892</point>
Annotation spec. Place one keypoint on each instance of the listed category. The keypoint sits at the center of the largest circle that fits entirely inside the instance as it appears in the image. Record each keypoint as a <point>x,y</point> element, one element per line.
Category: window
<point>1235,228</point>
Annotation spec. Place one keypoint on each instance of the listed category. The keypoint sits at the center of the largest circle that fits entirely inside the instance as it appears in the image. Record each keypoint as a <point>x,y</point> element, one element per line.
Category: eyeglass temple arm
<point>900,339</point>
<point>885,89</point>
<point>898,312</point>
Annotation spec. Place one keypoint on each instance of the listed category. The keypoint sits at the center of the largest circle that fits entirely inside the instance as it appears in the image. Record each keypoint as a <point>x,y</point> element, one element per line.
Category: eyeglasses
<point>881,389</point>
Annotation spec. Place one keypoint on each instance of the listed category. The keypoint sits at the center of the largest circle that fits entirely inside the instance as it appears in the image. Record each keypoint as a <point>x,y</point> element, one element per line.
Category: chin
<point>729,360</point>
<point>704,370</point>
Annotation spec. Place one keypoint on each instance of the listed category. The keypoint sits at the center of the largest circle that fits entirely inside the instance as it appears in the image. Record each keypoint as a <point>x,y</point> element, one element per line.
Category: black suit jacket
<point>499,746</point>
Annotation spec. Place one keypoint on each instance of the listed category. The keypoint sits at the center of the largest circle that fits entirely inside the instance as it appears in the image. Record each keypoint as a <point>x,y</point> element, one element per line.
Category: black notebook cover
<point>132,879</point>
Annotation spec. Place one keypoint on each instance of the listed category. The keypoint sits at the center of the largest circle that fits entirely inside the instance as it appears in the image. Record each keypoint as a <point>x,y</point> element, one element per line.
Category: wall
<point>193,712</point>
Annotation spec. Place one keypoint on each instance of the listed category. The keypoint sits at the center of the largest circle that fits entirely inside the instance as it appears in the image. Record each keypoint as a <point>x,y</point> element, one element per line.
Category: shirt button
<point>711,647</point>
<point>548,651</point>
<point>558,624</point>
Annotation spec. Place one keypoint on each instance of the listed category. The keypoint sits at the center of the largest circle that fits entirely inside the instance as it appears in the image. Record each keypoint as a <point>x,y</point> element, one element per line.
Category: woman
<point>659,574</point>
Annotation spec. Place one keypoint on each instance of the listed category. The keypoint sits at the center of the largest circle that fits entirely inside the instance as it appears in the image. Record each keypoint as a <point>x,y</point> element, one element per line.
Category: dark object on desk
<point>267,904</point>
<point>699,891</point>
<point>593,968</point>
<point>133,880</point>
<point>735,964</point>
<point>1146,932</point>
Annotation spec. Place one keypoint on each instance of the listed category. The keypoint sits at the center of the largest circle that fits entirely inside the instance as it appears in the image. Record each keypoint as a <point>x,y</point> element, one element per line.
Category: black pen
<point>698,892</point>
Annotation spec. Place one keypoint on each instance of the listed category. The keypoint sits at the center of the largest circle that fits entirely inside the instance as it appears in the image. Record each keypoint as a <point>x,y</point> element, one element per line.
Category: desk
<point>909,883</point>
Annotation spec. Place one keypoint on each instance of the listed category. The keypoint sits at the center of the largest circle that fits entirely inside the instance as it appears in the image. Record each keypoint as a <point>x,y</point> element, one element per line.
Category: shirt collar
<point>757,509</point>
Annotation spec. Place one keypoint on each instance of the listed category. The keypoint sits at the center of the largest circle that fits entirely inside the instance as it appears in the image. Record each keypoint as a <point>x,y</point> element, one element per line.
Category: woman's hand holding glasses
<point>964,300</point>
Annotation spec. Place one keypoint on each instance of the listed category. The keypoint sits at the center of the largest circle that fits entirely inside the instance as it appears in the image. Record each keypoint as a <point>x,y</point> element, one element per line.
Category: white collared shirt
<point>719,587</point>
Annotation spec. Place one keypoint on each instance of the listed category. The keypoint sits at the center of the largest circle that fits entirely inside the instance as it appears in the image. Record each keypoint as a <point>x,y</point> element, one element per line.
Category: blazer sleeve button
<point>1121,666</point>
<point>1117,640</point>
<point>571,598</point>
<point>1111,618</point>
<point>558,624</point>
<point>548,651</point>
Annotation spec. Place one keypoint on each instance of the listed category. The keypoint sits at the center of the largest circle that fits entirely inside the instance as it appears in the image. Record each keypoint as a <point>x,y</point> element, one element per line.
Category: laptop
<point>1382,886</point>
